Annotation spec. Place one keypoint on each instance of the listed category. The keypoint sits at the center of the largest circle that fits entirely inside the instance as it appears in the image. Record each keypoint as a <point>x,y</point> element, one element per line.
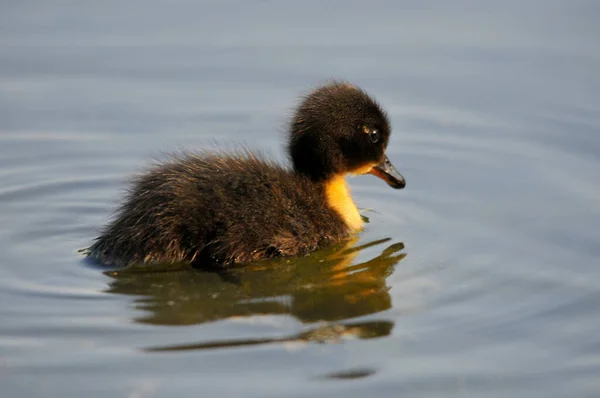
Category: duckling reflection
<point>327,285</point>
<point>321,334</point>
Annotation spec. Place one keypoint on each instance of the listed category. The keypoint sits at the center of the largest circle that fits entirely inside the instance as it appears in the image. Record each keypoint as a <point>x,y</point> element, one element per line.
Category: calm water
<point>481,278</point>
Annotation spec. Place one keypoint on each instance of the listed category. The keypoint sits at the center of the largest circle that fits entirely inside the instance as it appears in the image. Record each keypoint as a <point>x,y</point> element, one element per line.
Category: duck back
<point>216,209</point>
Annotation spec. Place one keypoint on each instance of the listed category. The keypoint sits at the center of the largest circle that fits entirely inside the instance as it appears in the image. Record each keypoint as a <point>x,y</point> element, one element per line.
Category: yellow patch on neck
<point>338,198</point>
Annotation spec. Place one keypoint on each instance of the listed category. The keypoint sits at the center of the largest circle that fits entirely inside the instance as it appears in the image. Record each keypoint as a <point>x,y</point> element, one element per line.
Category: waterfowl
<point>227,209</point>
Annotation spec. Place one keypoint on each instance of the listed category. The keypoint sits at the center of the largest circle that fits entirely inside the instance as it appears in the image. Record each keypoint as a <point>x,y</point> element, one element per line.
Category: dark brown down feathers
<point>234,208</point>
<point>244,208</point>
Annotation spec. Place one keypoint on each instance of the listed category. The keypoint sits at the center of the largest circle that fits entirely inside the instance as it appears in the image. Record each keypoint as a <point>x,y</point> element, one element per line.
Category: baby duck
<point>230,209</point>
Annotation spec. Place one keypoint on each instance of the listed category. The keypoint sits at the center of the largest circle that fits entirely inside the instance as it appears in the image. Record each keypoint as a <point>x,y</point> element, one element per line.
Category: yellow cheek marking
<point>338,198</point>
<point>363,169</point>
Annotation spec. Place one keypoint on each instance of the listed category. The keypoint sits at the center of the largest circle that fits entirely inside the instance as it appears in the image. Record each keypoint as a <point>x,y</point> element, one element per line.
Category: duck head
<point>338,129</point>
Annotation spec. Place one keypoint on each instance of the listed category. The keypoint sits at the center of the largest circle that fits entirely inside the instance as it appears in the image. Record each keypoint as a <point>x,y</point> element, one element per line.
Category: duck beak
<point>388,173</point>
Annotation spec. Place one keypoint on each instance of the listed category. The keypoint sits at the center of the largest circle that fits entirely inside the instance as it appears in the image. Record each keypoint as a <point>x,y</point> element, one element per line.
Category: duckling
<point>230,209</point>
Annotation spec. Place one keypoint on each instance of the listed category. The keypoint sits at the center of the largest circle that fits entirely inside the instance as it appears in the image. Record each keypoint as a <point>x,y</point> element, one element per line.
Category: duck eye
<point>374,136</point>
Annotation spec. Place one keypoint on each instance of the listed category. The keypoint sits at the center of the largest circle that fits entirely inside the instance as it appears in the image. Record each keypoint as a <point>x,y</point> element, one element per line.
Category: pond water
<point>481,278</point>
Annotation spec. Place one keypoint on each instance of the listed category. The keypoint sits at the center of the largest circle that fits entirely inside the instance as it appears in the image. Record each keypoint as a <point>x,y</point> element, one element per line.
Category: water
<point>481,278</point>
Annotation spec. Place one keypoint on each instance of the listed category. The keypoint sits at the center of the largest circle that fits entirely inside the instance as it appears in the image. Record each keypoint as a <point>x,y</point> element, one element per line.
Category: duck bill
<point>388,173</point>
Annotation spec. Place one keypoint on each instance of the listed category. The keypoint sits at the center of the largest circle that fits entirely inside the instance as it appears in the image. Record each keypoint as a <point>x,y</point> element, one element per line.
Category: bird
<point>214,208</point>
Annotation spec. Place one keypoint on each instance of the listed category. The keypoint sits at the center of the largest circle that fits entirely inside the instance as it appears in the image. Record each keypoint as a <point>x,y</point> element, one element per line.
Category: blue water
<point>481,278</point>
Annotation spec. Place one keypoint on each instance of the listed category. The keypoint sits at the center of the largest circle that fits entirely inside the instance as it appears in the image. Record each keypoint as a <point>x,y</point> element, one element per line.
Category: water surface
<point>481,278</point>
